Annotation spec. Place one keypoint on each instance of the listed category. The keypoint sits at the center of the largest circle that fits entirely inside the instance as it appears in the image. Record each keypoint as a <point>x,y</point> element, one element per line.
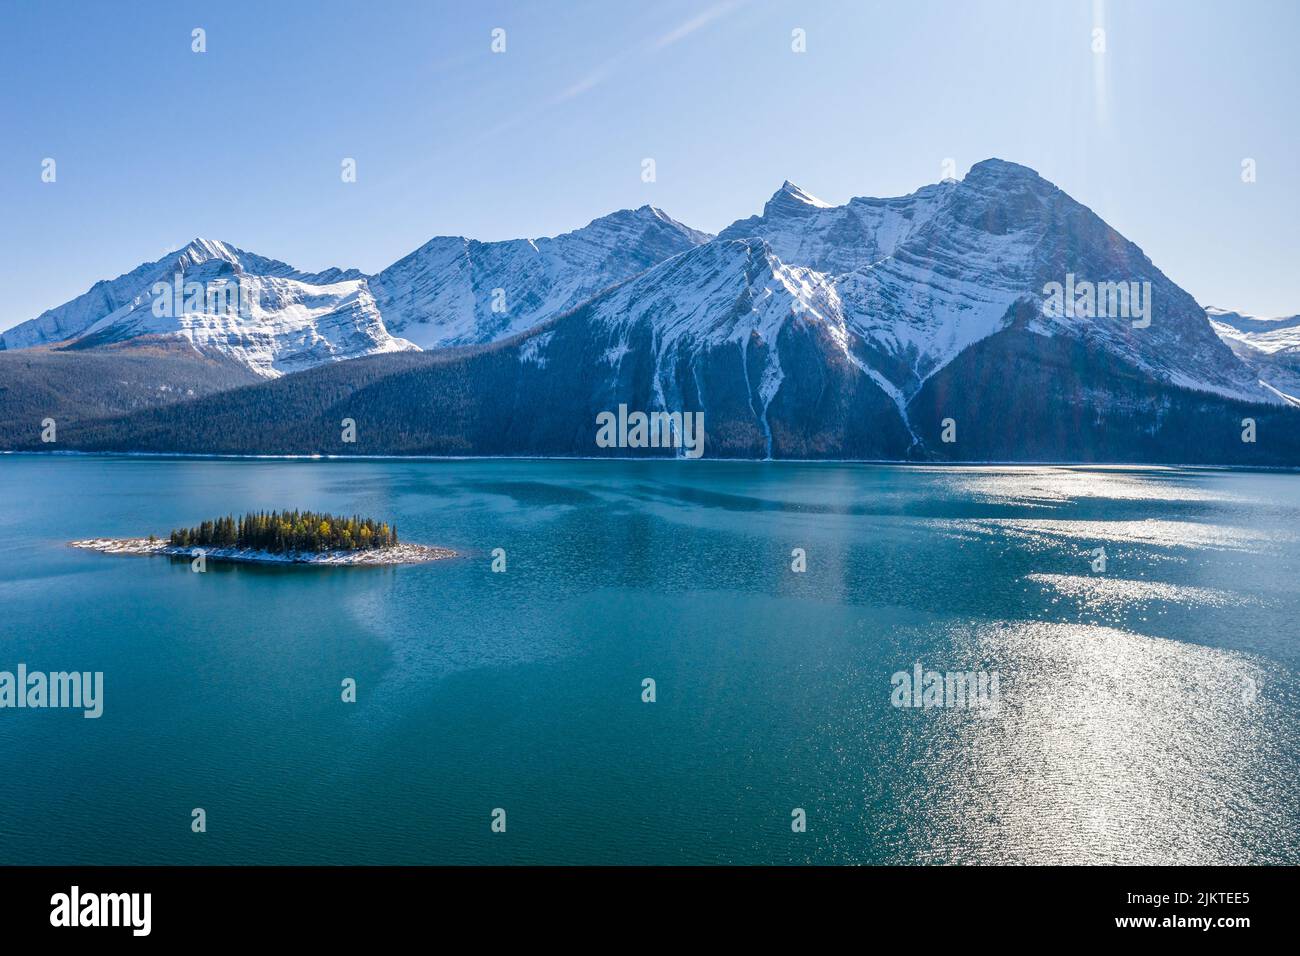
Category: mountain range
<point>1269,347</point>
<point>808,331</point>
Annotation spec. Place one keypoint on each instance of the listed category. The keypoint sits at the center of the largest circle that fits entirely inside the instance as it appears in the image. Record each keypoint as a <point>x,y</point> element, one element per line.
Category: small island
<point>280,537</point>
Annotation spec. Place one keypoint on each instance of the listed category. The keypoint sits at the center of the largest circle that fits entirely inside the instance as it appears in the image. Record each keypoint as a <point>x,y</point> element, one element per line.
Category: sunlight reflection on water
<point>1111,592</point>
<point>1163,533</point>
<point>1045,484</point>
<point>1109,747</point>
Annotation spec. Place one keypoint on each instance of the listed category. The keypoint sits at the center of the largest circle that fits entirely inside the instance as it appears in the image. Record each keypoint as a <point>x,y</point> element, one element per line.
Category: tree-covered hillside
<point>75,386</point>
<point>1015,396</point>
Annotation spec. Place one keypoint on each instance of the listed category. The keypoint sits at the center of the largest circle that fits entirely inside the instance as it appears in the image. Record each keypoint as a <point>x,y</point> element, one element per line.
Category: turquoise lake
<point>1147,711</point>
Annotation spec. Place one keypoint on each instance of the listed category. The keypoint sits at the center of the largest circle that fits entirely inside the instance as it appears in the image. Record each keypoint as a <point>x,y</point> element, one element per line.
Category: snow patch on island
<point>398,554</point>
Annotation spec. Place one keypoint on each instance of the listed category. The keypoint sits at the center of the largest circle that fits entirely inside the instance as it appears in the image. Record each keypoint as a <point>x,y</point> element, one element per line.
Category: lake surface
<point>1146,713</point>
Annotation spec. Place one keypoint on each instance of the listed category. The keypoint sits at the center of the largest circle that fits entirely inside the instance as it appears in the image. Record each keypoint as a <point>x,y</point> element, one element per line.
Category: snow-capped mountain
<point>760,332</point>
<point>809,331</point>
<point>1269,347</point>
<point>450,291</point>
<point>803,229</point>
<point>763,348</point>
<point>790,358</point>
<point>266,315</point>
<point>778,363</point>
<point>924,276</point>
<point>458,291</point>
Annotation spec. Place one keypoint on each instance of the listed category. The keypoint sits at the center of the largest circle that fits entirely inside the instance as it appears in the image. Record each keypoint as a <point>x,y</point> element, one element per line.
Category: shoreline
<point>890,462</point>
<point>143,547</point>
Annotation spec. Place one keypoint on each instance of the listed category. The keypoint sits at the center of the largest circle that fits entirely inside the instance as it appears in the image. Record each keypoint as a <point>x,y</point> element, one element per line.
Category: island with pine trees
<point>280,537</point>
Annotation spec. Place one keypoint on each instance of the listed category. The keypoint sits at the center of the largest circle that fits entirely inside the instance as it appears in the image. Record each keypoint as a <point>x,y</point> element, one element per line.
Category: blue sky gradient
<point>156,144</point>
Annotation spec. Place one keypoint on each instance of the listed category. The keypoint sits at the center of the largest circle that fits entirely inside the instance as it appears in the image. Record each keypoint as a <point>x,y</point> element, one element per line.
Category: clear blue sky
<point>156,144</point>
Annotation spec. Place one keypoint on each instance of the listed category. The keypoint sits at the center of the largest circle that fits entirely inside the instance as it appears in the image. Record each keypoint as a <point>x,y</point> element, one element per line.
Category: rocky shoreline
<point>398,554</point>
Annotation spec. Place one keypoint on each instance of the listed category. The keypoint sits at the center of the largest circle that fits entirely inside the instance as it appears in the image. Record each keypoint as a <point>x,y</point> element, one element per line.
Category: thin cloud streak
<point>700,20</point>
<point>586,84</point>
<point>680,32</point>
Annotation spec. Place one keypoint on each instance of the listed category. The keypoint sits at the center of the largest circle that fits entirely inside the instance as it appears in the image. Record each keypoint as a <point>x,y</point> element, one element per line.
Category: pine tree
<point>280,531</point>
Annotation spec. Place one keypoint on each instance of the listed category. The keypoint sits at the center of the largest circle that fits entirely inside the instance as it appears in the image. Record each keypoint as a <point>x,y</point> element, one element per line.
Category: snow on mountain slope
<point>1269,347</point>
<point>835,239</point>
<point>1281,334</point>
<point>893,288</point>
<point>734,291</point>
<point>1174,344</point>
<point>724,291</point>
<point>922,277</point>
<point>446,292</point>
<point>291,325</point>
<point>786,361</point>
<point>288,320</point>
<point>109,296</point>
<point>947,282</point>
<point>201,251</point>
<point>760,347</point>
<point>754,336</point>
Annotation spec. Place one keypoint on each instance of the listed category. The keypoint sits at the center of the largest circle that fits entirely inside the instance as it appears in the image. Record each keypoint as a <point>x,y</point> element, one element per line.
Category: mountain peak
<point>999,170</point>
<point>629,226</point>
<point>199,250</point>
<point>654,212</point>
<point>792,198</point>
<point>212,247</point>
<point>646,213</point>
